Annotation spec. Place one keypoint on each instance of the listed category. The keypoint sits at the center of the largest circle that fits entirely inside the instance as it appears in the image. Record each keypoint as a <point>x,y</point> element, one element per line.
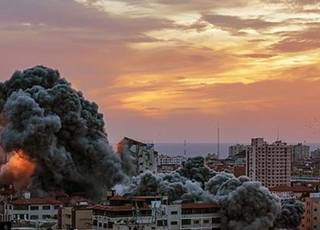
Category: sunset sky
<point>169,70</point>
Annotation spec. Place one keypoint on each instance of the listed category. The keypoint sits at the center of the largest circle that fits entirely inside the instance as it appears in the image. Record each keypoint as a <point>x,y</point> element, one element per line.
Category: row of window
<point>34,207</point>
<point>33,217</point>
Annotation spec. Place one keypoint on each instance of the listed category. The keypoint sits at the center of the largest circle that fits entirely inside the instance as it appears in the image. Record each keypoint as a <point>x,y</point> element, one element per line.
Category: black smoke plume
<point>60,131</point>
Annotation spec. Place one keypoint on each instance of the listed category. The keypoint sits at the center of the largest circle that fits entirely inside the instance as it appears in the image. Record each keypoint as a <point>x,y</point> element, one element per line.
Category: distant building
<point>144,157</point>
<point>315,154</point>
<point>300,152</point>
<point>238,148</point>
<point>311,216</point>
<point>269,163</point>
<point>170,160</point>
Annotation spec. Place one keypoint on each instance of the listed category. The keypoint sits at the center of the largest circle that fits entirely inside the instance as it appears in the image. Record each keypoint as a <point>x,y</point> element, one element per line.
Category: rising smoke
<point>290,216</point>
<point>60,131</point>
<point>245,205</point>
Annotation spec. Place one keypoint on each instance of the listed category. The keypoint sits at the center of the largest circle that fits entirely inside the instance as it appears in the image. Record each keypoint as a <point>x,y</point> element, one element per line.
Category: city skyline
<point>170,71</point>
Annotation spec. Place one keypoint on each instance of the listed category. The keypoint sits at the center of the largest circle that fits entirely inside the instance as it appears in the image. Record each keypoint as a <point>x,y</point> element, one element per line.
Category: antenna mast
<point>218,141</point>
<point>185,148</point>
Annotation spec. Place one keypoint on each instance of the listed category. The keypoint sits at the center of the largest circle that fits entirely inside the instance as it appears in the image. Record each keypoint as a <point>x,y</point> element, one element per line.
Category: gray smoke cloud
<point>244,204</point>
<point>194,168</point>
<point>61,132</point>
<point>172,185</point>
<point>291,214</point>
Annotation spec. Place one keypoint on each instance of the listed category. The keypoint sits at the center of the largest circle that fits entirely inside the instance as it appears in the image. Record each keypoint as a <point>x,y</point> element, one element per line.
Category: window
<point>196,222</point>
<point>56,206</point>
<point>34,207</point>
<point>206,221</point>
<point>174,212</point>
<point>186,222</point>
<point>20,207</point>
<point>174,223</point>
<point>21,216</point>
<point>46,207</point>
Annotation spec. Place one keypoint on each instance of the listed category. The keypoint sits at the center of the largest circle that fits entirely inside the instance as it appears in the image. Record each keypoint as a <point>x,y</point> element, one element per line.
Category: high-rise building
<point>269,163</point>
<point>300,152</point>
<point>143,155</point>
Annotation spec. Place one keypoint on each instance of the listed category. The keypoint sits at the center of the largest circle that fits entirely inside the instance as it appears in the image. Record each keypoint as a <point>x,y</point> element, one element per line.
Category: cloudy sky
<point>169,70</point>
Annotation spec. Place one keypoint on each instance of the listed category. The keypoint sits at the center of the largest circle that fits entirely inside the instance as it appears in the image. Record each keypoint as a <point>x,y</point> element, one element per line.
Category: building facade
<point>143,156</point>
<point>170,160</point>
<point>311,216</point>
<point>300,152</point>
<point>79,217</point>
<point>269,163</point>
<point>238,148</point>
<point>315,154</point>
<point>33,209</point>
<point>137,214</point>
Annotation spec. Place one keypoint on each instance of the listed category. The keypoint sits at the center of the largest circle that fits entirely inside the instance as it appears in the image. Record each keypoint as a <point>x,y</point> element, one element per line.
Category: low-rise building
<point>148,214</point>
<point>33,209</point>
<point>298,191</point>
<point>78,217</point>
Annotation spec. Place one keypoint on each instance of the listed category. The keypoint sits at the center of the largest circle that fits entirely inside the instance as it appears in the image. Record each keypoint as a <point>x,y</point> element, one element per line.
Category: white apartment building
<point>144,156</point>
<point>238,148</point>
<point>139,215</point>
<point>44,208</point>
<point>170,160</point>
<point>269,163</point>
<point>300,152</point>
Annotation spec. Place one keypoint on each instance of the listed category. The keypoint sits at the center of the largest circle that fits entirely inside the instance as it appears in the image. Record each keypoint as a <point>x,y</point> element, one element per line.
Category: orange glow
<point>17,170</point>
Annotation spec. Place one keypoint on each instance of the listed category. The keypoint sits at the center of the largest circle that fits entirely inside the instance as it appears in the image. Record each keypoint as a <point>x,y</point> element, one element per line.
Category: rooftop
<point>199,205</point>
<point>284,188</point>
<point>37,201</point>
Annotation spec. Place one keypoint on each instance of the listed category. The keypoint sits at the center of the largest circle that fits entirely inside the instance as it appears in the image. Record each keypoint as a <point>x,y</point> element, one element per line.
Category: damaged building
<point>142,155</point>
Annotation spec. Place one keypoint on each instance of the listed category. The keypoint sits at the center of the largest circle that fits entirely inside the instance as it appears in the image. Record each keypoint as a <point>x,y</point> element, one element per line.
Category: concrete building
<point>144,156</point>
<point>33,209</point>
<point>300,152</point>
<point>170,160</point>
<point>79,217</point>
<point>238,148</point>
<point>315,154</point>
<point>311,216</point>
<point>269,163</point>
<point>137,213</point>
<point>297,191</point>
